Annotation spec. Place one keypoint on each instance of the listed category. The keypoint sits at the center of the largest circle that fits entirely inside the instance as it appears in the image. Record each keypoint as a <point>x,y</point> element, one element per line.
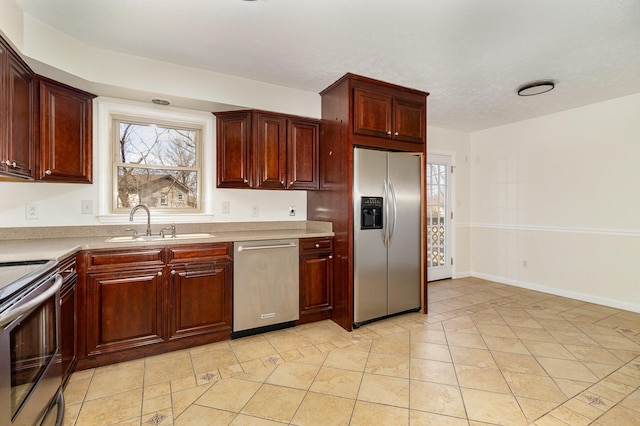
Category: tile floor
<point>487,353</point>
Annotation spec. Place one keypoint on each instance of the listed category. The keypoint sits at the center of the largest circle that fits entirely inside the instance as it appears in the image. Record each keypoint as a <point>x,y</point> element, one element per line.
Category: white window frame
<point>106,110</point>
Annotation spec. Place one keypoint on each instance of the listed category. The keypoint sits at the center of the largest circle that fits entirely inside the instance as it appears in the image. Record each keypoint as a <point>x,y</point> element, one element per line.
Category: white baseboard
<point>613,303</point>
<point>465,274</point>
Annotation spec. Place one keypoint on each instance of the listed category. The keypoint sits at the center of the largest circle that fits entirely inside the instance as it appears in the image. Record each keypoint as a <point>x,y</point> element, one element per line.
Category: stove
<point>30,369</point>
<point>14,276</point>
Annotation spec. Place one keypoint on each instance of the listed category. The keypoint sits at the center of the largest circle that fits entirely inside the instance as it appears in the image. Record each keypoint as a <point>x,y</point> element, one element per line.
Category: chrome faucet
<point>135,209</point>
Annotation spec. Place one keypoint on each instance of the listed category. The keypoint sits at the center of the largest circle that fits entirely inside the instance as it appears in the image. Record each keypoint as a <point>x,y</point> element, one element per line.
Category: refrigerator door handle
<point>385,218</point>
<point>394,207</point>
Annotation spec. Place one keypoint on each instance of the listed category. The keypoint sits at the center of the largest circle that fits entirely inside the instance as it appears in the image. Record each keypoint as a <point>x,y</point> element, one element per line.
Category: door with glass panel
<point>439,215</point>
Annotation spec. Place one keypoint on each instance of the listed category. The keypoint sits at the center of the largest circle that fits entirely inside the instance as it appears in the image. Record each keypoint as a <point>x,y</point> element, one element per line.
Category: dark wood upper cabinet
<point>65,139</point>
<point>45,126</point>
<point>16,115</point>
<point>232,150</point>
<point>302,154</point>
<point>388,115</point>
<point>264,150</point>
<point>270,151</point>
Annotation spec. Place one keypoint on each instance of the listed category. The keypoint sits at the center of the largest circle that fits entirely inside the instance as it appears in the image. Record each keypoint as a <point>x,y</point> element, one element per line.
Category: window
<point>166,161</point>
<point>156,164</point>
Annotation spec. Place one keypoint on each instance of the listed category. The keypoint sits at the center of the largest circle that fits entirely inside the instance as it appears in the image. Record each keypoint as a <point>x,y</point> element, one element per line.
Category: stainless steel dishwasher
<point>265,285</point>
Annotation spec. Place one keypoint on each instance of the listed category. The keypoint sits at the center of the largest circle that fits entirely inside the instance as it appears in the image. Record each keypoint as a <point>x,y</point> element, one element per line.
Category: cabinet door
<point>409,121</point>
<point>232,155</point>
<point>302,154</point>
<point>316,286</point>
<point>19,119</point>
<point>270,152</point>
<point>68,324</point>
<point>372,113</point>
<point>68,329</point>
<point>124,309</point>
<point>200,299</point>
<point>65,134</point>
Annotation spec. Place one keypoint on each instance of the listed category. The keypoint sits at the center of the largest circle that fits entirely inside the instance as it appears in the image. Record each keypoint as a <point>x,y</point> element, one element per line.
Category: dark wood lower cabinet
<point>150,300</point>
<point>125,309</point>
<point>316,279</point>
<point>200,298</point>
<point>68,325</point>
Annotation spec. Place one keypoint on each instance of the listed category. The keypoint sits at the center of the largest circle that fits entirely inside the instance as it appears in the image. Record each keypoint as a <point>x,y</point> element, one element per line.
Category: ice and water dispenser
<point>371,213</point>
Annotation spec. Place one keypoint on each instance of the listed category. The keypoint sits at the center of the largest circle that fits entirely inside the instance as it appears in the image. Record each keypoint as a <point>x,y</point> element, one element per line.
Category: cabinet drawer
<point>67,268</point>
<point>112,258</point>
<point>316,244</point>
<point>184,253</point>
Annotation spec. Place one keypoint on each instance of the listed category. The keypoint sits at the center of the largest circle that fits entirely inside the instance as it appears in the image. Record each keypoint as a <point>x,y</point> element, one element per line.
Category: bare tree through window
<point>157,165</point>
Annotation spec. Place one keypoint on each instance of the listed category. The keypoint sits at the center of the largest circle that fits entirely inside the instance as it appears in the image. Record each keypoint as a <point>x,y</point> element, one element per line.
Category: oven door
<point>30,370</point>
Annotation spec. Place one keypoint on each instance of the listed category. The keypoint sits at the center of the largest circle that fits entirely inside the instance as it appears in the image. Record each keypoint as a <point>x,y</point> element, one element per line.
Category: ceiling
<point>470,55</point>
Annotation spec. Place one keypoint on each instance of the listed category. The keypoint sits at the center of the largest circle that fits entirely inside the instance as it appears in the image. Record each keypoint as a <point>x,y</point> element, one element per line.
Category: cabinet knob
<point>159,273</point>
<point>173,272</point>
<point>291,183</point>
<point>331,257</point>
<point>396,134</point>
<point>282,182</point>
<point>245,181</point>
<point>47,172</point>
<point>389,132</point>
<point>317,245</point>
<point>10,163</point>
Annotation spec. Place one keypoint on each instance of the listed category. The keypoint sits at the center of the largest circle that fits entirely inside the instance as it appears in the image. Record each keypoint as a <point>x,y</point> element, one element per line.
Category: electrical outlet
<point>255,211</point>
<point>87,206</point>
<point>32,211</point>
<point>524,264</point>
<point>292,210</point>
<point>225,207</point>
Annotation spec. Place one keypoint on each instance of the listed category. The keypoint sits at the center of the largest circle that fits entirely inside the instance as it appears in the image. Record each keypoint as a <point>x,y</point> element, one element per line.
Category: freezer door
<point>370,254</point>
<point>404,232</point>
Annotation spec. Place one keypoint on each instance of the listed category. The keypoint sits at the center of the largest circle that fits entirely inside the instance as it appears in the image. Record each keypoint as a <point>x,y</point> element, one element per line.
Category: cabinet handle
<point>245,181</point>
<point>47,172</point>
<point>69,271</point>
<point>389,132</point>
<point>173,272</point>
<point>159,273</point>
<point>10,163</point>
<point>396,134</point>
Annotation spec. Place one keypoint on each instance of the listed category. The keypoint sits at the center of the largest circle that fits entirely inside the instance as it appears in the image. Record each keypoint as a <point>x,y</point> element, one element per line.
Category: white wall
<point>102,73</point>
<point>561,193</point>
<point>456,145</point>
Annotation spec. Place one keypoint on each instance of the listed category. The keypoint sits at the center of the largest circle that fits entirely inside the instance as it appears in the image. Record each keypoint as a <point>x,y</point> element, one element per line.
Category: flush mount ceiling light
<point>536,87</point>
<point>160,101</point>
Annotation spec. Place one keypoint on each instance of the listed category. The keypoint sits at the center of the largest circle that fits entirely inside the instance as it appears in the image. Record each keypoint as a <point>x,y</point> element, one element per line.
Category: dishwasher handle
<point>274,246</point>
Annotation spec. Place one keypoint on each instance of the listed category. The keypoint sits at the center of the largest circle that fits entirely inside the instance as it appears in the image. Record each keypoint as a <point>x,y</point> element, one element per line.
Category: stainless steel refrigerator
<point>386,202</point>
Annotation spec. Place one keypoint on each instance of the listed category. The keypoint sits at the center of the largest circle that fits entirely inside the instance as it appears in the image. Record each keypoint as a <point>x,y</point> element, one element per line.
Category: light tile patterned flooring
<point>487,353</point>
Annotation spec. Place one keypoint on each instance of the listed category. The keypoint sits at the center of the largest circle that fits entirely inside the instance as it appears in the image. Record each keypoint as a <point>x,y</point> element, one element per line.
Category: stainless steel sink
<point>145,238</point>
